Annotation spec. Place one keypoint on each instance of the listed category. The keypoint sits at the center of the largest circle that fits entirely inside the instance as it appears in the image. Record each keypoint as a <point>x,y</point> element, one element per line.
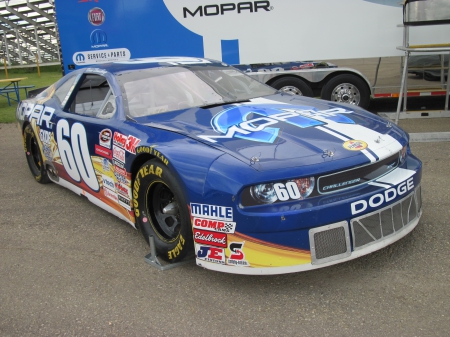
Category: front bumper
<point>310,233</point>
<point>334,243</point>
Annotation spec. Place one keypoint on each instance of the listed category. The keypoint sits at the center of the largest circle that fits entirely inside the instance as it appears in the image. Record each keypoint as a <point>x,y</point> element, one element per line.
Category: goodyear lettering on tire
<point>143,172</point>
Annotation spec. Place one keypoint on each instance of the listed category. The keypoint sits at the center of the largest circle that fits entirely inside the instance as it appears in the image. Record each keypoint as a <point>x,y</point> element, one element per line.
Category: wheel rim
<point>164,211</point>
<point>35,156</point>
<point>291,90</point>
<point>346,93</point>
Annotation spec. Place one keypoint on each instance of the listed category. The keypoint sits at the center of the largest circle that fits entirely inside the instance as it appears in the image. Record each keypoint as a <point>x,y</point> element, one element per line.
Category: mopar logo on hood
<point>262,123</point>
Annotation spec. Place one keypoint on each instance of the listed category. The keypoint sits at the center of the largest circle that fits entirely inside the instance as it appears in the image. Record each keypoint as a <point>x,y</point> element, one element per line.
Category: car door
<point>84,130</point>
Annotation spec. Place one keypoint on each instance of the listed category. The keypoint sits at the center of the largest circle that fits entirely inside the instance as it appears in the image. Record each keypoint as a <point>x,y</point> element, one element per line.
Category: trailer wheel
<point>347,88</point>
<point>293,85</point>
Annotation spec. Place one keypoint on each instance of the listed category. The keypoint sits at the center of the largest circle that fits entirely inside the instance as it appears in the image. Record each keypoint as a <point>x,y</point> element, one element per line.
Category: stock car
<point>208,161</point>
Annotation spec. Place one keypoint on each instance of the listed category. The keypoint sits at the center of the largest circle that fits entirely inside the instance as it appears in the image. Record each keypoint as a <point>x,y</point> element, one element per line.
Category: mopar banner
<point>236,32</point>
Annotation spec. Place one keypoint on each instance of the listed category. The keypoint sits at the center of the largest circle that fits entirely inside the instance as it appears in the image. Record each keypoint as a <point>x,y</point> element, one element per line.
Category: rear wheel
<point>161,211</point>
<point>293,85</point>
<point>34,156</point>
<point>347,88</point>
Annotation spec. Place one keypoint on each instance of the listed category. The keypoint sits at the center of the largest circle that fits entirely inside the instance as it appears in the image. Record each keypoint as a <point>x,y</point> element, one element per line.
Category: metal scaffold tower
<point>28,33</point>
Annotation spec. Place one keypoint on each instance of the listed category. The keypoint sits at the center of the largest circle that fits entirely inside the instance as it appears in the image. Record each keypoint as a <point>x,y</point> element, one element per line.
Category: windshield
<point>158,90</point>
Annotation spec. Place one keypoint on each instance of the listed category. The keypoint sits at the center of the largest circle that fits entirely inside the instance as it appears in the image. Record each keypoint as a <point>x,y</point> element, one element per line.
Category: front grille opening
<point>375,226</point>
<point>329,243</point>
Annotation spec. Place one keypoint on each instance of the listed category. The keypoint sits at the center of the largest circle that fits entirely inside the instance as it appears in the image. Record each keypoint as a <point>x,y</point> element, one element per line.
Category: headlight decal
<point>269,193</point>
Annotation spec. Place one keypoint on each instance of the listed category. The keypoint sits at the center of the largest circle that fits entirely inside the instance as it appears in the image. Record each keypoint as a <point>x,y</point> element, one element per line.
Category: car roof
<point>154,62</point>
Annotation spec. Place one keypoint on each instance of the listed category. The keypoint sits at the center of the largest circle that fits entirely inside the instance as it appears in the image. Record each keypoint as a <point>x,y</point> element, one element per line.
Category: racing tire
<point>347,88</point>
<point>161,211</point>
<point>34,156</point>
<point>293,85</point>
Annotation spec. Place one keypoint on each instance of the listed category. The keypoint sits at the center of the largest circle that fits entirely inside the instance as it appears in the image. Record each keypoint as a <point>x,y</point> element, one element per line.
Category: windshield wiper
<point>223,103</point>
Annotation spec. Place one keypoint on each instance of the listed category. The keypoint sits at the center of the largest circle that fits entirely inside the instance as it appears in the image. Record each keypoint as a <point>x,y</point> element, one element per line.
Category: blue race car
<point>203,158</point>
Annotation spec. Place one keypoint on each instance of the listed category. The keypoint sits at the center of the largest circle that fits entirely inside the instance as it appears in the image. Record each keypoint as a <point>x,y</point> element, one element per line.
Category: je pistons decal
<point>210,254</point>
<point>262,123</point>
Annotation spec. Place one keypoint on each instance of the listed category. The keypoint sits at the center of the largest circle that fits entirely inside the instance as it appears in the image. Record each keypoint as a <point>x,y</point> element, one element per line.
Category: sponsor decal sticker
<point>355,145</point>
<point>110,194</point>
<point>119,153</point>
<point>210,254</point>
<point>215,225</point>
<point>125,202</point>
<point>123,189</point>
<point>210,238</point>
<point>105,165</point>
<point>237,257</point>
<point>108,182</point>
<point>128,143</point>
<point>105,138</point>
<point>212,211</point>
<point>121,179</point>
<point>118,163</point>
<point>120,170</point>
<point>101,151</point>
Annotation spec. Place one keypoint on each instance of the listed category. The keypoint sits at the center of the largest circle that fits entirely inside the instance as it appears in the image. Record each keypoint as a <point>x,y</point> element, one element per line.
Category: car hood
<point>282,131</point>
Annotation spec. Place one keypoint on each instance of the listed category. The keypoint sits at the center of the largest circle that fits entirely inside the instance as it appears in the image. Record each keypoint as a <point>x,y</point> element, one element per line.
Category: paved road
<point>69,268</point>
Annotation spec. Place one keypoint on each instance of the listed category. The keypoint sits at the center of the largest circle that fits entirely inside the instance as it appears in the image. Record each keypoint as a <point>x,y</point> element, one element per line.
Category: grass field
<point>48,76</point>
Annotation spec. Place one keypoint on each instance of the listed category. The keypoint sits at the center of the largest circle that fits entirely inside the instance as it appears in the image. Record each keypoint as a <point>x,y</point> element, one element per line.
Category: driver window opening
<point>94,98</point>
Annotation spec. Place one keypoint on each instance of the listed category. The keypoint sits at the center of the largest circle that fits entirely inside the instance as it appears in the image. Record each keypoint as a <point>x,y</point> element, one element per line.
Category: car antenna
<point>90,91</point>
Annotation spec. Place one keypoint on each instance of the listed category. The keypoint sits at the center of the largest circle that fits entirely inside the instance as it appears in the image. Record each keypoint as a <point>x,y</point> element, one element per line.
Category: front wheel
<point>34,156</point>
<point>347,88</point>
<point>161,211</point>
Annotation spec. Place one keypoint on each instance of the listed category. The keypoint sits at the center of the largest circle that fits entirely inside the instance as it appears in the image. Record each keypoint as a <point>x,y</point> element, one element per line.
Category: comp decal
<point>214,225</point>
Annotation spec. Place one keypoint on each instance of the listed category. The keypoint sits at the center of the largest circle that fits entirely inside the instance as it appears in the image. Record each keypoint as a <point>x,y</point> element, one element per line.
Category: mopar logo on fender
<point>211,10</point>
<point>381,198</point>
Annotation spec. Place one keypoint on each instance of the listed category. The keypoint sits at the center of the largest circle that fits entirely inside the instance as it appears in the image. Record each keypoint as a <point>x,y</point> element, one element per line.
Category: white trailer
<point>262,37</point>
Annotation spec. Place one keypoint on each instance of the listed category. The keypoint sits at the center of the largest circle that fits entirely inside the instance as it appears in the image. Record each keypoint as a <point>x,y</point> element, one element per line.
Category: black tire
<point>155,188</point>
<point>293,85</point>
<point>34,156</point>
<point>347,88</point>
